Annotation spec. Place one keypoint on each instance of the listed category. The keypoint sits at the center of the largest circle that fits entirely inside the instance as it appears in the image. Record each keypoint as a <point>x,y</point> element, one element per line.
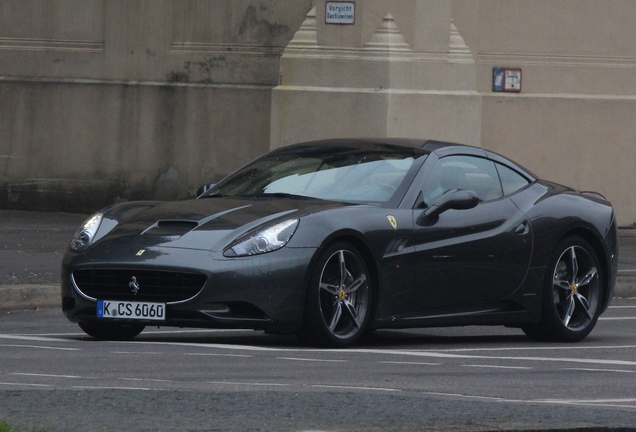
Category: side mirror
<point>203,189</point>
<point>454,199</point>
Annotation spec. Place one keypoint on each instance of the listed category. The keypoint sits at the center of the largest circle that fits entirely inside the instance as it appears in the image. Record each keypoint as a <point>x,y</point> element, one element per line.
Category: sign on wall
<point>506,79</point>
<point>339,12</point>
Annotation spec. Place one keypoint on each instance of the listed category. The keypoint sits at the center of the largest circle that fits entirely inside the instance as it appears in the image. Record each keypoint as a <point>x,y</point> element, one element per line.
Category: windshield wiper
<point>277,195</point>
<point>215,196</point>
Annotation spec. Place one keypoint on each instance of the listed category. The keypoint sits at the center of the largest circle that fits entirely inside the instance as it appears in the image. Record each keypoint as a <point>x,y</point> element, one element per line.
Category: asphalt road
<point>470,379</point>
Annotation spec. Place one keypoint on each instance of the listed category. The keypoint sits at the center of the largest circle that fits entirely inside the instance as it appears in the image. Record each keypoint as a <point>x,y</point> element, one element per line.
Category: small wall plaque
<point>506,80</point>
<point>339,12</point>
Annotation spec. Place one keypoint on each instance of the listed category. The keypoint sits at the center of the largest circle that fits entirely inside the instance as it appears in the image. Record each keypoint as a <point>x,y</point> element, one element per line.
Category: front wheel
<point>111,331</point>
<point>572,293</point>
<point>339,298</point>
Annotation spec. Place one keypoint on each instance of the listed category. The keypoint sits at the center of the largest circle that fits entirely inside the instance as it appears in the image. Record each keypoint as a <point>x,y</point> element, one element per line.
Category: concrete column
<point>401,70</point>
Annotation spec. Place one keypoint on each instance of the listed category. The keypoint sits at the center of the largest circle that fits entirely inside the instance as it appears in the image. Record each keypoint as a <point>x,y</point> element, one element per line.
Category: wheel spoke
<point>570,310</point>
<point>588,277</point>
<point>343,268</point>
<point>353,286</point>
<point>563,284</point>
<point>575,265</point>
<point>330,288</point>
<point>585,305</point>
<point>352,311</point>
<point>337,314</point>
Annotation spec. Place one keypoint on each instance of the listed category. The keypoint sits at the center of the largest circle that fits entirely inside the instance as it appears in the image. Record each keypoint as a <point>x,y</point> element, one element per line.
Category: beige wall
<point>107,100</point>
<point>111,142</point>
<point>574,120</point>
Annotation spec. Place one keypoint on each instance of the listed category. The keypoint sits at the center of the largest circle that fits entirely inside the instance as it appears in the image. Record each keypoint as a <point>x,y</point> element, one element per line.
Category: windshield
<point>329,173</point>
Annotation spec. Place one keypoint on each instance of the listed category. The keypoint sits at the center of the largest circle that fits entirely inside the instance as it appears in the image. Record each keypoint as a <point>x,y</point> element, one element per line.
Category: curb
<point>30,296</point>
<point>626,284</point>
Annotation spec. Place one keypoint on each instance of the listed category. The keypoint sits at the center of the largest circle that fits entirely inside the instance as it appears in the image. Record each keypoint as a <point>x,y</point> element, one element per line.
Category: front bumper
<point>263,292</point>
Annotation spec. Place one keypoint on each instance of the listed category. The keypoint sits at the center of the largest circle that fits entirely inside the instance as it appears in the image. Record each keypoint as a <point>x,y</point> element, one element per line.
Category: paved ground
<point>32,245</point>
<point>468,379</point>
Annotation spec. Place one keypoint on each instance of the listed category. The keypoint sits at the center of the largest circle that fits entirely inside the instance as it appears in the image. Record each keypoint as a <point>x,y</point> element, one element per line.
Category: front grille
<point>154,285</point>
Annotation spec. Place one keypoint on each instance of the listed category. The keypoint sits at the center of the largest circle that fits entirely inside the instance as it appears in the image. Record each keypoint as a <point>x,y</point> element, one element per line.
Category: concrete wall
<point>106,100</point>
<point>78,146</point>
<point>402,70</point>
<point>573,122</point>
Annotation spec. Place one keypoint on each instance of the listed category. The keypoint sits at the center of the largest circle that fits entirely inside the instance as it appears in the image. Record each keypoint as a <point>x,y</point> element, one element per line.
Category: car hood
<point>209,224</point>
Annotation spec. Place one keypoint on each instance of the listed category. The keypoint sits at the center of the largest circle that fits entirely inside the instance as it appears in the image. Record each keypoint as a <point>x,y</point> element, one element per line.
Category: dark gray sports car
<point>330,239</point>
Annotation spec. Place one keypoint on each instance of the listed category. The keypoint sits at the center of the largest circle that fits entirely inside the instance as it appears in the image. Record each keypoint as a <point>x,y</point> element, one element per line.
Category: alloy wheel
<point>576,288</point>
<point>344,294</point>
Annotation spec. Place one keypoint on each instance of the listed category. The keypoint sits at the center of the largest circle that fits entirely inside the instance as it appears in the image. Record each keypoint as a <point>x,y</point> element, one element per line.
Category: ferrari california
<point>329,240</point>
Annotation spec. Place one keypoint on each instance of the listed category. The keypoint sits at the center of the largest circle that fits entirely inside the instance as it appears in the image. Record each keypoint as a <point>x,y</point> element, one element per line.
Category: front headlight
<point>86,233</point>
<point>267,240</point>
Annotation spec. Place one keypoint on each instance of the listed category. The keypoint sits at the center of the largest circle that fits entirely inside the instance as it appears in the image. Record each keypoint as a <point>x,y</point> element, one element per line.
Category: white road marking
<point>588,401</point>
<point>110,388</point>
<point>312,360</point>
<point>616,403</point>
<point>463,396</point>
<point>206,345</point>
<point>412,363</point>
<point>248,384</point>
<point>466,356</point>
<point>151,332</point>
<point>26,338</point>
<point>219,355</point>
<point>600,370</point>
<point>607,403</point>
<point>40,347</point>
<point>355,388</point>
<point>495,366</point>
<point>576,347</point>
<point>28,385</point>
<point>51,375</point>
<point>146,379</point>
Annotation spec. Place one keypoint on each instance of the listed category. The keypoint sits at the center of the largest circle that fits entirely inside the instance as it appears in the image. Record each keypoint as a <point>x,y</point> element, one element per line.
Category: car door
<point>467,259</point>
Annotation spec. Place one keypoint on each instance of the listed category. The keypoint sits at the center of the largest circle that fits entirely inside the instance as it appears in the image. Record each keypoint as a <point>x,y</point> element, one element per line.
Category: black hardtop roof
<point>424,144</point>
<point>441,148</point>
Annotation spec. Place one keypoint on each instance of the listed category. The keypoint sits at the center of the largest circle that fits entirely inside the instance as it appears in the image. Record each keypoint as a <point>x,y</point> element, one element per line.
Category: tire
<point>573,290</point>
<point>339,298</point>
<point>111,331</point>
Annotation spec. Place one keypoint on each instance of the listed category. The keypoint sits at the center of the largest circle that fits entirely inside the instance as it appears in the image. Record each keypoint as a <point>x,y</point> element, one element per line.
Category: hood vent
<point>170,228</point>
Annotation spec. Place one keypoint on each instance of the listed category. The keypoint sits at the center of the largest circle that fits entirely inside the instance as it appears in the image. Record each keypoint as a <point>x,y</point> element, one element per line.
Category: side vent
<point>396,246</point>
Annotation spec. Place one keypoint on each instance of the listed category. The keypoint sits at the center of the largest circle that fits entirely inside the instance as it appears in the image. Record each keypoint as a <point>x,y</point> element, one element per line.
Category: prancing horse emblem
<point>392,221</point>
<point>134,286</point>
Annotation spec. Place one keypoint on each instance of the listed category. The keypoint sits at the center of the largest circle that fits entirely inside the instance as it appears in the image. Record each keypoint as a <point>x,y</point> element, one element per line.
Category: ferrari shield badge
<point>141,252</point>
<point>392,221</point>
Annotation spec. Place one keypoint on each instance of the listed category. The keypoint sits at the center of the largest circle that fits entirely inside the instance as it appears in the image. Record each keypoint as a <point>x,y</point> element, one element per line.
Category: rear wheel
<point>572,293</point>
<point>111,331</point>
<point>339,298</point>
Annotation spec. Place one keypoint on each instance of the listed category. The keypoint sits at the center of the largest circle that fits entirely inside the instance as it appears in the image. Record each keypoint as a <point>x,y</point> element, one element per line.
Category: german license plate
<point>131,310</point>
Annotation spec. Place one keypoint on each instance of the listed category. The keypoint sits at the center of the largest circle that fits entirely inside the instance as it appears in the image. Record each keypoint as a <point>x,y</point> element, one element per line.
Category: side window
<point>462,172</point>
<point>511,181</point>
